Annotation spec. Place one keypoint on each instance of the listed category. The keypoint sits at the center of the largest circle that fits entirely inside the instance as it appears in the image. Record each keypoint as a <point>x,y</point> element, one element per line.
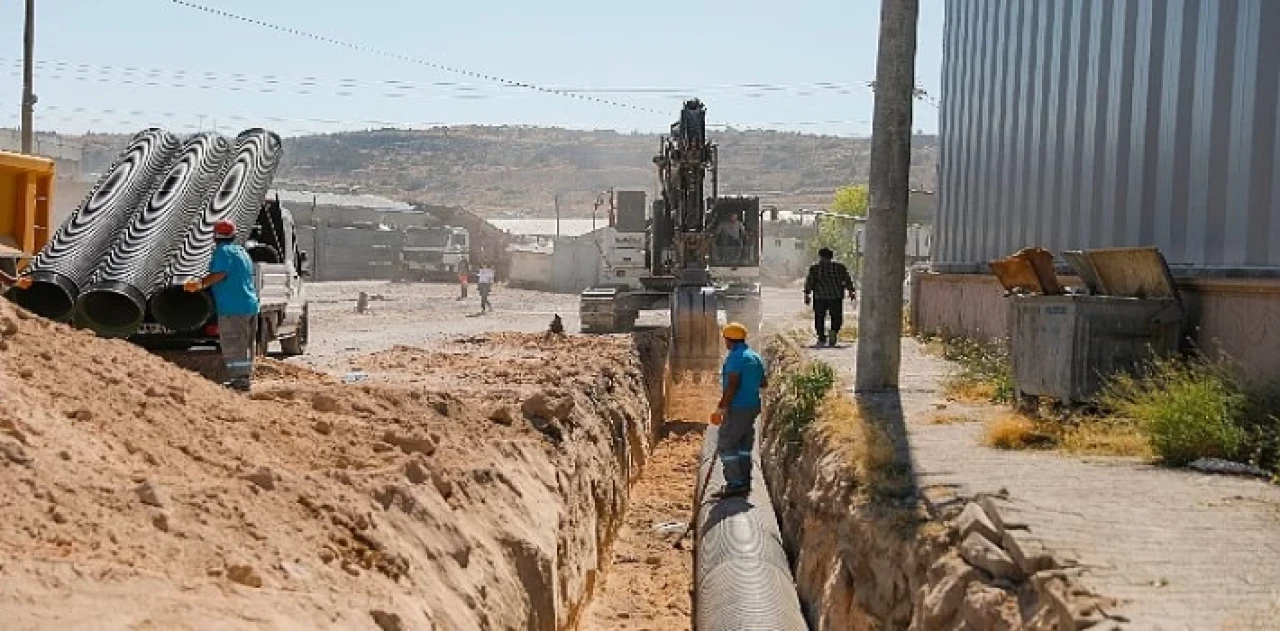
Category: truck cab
<point>435,252</point>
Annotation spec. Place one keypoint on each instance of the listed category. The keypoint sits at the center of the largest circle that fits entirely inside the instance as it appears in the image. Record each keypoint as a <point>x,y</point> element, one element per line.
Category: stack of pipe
<point>115,303</point>
<point>743,580</point>
<point>238,198</point>
<point>68,261</point>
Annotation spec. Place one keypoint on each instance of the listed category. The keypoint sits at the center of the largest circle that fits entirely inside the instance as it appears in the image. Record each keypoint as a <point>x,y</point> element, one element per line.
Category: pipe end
<point>180,310</point>
<point>51,295</point>
<point>111,309</point>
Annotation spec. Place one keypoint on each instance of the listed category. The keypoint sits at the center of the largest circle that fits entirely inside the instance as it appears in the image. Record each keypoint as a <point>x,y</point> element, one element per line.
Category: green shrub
<point>1188,409</point>
<point>801,393</point>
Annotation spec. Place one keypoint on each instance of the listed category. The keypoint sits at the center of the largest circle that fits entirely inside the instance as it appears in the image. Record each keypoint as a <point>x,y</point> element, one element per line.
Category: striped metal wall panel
<point>1105,123</point>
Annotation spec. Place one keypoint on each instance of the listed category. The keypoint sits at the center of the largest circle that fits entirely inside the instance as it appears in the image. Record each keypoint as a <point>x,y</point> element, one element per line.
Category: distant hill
<point>501,170</point>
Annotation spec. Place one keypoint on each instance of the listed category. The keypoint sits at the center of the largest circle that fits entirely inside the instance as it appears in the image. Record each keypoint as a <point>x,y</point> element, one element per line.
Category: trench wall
<point>864,558</point>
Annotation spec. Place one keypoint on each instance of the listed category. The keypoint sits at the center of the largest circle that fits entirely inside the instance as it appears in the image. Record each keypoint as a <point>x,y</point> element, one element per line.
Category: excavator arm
<point>684,163</point>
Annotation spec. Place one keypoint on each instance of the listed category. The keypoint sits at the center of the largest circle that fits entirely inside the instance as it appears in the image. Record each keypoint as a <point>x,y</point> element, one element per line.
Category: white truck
<point>279,269</point>
<point>435,252</point>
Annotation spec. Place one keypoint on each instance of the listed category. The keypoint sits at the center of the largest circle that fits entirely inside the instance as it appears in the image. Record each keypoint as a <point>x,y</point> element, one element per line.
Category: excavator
<point>702,254</point>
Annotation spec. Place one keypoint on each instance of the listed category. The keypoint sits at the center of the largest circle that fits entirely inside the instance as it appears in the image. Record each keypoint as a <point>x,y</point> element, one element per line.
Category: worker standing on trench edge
<point>742,377</point>
<point>236,302</point>
<point>828,281</point>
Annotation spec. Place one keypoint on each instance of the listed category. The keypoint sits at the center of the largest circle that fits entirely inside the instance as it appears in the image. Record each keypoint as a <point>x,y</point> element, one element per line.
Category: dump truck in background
<point>434,252</point>
<point>26,208</point>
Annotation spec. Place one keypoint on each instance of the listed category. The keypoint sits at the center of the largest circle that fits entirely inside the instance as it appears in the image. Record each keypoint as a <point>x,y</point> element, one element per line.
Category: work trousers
<point>236,335</point>
<point>821,308</point>
<point>462,283</point>
<point>733,445</point>
<point>484,296</point>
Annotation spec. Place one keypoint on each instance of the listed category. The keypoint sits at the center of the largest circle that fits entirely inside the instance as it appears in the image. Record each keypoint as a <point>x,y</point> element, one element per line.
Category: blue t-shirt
<point>749,365</point>
<point>235,295</point>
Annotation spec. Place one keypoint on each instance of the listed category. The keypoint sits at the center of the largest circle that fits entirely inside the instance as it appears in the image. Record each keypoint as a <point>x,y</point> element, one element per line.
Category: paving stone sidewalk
<point>1182,550</point>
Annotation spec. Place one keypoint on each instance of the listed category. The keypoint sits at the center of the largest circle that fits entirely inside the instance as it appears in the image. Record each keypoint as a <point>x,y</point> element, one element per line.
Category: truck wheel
<point>296,344</point>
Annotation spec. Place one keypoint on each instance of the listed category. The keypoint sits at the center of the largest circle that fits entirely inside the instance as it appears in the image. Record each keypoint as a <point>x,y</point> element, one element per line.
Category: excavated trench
<point>868,552</point>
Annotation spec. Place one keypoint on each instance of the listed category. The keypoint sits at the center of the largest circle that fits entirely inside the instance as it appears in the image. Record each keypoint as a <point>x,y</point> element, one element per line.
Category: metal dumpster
<point>1065,346</point>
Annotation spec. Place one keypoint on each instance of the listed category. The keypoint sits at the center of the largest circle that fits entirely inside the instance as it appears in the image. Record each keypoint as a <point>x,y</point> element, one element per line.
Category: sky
<point>123,65</point>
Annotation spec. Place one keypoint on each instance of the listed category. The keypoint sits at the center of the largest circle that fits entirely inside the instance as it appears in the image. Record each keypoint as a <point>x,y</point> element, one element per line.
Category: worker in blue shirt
<point>741,379</point>
<point>236,300</point>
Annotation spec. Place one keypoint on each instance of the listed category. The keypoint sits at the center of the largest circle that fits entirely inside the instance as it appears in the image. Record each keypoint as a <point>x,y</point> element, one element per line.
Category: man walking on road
<point>827,282</point>
<point>236,302</point>
<point>741,379</point>
<point>484,282</point>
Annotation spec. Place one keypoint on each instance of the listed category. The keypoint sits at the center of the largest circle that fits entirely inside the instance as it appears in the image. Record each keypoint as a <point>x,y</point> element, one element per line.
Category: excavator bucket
<point>695,333</point>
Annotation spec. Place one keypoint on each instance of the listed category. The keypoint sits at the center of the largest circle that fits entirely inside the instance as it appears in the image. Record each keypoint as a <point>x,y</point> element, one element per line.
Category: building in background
<point>1094,123</point>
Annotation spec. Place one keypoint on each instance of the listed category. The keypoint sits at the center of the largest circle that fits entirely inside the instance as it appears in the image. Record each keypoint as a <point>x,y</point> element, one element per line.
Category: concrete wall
<point>1099,123</point>
<point>531,270</point>
<point>1234,316</point>
<point>350,253</point>
<point>784,257</point>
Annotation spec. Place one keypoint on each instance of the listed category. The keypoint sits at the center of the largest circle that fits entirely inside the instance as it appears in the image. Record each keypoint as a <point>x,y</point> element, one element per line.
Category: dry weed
<point>1101,437</point>
<point>1015,431</point>
<point>950,419</point>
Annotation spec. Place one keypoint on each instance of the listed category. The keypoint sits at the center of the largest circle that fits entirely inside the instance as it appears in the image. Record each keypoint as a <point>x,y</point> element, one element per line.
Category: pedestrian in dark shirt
<point>826,285</point>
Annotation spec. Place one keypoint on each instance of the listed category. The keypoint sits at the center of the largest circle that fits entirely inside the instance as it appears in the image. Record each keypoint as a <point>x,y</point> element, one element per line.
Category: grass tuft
<point>984,372</point>
<point>1197,408</point>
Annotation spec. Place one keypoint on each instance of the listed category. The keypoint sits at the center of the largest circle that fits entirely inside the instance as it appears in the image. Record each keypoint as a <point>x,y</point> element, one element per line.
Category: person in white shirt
<point>484,282</point>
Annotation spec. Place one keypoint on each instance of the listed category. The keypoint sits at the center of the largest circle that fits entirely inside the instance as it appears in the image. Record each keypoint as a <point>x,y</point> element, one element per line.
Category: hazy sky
<point>121,65</point>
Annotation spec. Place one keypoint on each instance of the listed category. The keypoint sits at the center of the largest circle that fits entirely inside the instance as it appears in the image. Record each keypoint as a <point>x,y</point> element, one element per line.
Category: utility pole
<point>880,316</point>
<point>557,219</point>
<point>28,76</point>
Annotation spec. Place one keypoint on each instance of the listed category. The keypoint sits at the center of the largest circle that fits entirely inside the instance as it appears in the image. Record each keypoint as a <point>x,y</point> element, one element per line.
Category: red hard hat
<point>224,229</point>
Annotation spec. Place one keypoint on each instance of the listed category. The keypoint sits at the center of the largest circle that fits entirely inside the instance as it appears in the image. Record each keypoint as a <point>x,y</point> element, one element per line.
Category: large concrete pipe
<point>68,261</point>
<point>743,580</point>
<point>238,199</point>
<point>116,301</point>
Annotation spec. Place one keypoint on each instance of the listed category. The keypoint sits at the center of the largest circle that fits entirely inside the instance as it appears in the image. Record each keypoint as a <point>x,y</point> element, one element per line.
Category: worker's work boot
<point>833,338</point>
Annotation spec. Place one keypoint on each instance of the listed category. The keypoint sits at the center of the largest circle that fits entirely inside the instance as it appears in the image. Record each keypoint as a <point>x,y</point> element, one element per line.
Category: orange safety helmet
<point>224,230</point>
<point>735,331</point>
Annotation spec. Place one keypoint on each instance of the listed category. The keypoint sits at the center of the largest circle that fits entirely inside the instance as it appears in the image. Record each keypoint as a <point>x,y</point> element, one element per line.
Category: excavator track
<point>695,333</point>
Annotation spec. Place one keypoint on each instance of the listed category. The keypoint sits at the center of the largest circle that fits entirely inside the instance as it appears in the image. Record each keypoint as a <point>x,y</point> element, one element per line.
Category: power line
<point>406,58</point>
<point>150,75</point>
<point>138,119</point>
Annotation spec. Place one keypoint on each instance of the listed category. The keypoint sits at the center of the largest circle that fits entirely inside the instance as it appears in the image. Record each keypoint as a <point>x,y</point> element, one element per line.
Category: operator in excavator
<point>731,239</point>
<point>236,301</point>
<point>742,378</point>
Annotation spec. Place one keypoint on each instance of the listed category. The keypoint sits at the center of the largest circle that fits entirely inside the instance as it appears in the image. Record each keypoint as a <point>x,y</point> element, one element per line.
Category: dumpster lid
<point>1029,271</point>
<point>1124,272</point>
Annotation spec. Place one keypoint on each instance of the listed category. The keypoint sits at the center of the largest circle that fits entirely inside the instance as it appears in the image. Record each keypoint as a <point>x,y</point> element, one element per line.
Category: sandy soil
<point>464,486</point>
<point>648,584</point>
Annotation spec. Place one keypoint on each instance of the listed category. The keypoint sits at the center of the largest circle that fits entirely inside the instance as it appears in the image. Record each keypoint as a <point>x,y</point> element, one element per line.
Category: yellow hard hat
<point>735,331</point>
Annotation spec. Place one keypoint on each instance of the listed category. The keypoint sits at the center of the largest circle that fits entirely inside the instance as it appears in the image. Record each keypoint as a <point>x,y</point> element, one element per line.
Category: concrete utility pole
<point>28,77</point>
<point>880,316</point>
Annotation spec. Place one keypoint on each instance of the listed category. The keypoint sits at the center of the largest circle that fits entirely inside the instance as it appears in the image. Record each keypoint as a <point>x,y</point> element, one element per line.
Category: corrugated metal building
<point>1075,124</point>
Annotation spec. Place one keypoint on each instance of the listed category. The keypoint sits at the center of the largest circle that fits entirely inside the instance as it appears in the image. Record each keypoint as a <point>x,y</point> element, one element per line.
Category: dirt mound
<point>139,493</point>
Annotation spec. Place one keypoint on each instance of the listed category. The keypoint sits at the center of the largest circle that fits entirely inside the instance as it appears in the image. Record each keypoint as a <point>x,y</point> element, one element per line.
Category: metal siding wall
<point>1099,123</point>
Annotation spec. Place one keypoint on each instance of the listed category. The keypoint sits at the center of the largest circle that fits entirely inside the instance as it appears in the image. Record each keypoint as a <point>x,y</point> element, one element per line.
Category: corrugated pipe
<point>238,199</point>
<point>68,261</point>
<point>116,301</point>
<point>743,581</point>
